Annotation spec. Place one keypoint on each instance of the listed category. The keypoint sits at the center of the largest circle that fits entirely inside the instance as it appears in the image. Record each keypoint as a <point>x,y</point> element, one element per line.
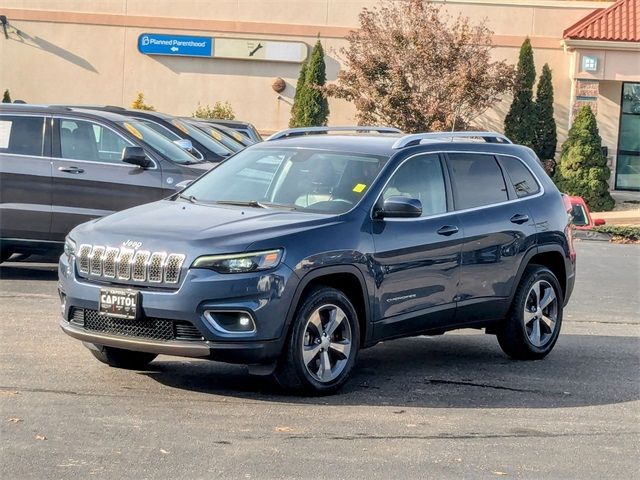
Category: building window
<point>628,158</point>
<point>589,63</point>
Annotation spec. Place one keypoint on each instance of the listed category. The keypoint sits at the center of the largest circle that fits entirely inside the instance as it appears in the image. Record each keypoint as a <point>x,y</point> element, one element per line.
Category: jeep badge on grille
<point>131,244</point>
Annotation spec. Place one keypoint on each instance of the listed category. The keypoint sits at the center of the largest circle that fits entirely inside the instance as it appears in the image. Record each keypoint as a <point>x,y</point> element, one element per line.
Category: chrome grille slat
<point>96,259</point>
<point>128,264</point>
<point>172,267</point>
<point>156,264</point>
<point>83,258</point>
<point>124,263</point>
<point>109,263</point>
<point>139,265</point>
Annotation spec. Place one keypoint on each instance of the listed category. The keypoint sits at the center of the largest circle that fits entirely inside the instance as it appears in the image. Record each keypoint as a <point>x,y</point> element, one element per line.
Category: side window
<point>422,178</point>
<point>477,180</point>
<point>521,178</point>
<point>84,140</point>
<point>21,135</point>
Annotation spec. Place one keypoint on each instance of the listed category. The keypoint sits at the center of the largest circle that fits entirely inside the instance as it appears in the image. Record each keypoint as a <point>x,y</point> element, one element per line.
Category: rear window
<point>521,178</point>
<point>477,180</point>
<point>21,135</point>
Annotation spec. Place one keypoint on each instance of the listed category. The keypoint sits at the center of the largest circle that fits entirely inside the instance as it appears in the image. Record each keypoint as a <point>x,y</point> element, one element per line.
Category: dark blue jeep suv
<point>297,252</point>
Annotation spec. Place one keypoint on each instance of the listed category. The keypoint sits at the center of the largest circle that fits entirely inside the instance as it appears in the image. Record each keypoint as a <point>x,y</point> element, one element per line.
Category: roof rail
<point>416,138</point>
<point>294,132</point>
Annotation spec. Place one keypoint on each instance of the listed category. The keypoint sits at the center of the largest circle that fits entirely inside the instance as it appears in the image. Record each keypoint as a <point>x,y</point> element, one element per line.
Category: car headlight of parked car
<point>69,247</point>
<point>240,262</point>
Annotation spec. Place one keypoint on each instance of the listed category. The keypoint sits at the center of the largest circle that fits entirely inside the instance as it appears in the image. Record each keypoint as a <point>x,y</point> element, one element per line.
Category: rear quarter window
<point>21,135</point>
<point>477,180</point>
<point>523,181</point>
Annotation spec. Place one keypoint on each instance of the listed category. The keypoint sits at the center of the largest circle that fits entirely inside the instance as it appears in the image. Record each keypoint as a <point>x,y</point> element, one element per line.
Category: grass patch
<point>620,233</point>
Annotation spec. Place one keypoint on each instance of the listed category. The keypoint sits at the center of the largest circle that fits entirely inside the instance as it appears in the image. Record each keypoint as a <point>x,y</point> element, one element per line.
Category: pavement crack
<point>437,381</point>
<point>463,436</point>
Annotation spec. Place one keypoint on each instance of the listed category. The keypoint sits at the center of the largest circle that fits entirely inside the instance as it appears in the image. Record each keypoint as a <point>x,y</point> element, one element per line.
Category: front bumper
<point>267,296</point>
<point>232,352</point>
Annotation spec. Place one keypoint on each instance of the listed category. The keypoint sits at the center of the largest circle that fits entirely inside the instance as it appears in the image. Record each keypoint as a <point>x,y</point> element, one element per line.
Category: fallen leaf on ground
<point>40,437</point>
<point>15,419</point>
<point>162,450</point>
<point>284,429</point>
<point>500,473</point>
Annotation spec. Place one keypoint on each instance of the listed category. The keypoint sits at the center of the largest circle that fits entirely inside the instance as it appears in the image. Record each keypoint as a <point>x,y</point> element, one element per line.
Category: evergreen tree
<point>6,98</point>
<point>583,169</point>
<point>545,135</point>
<point>295,109</point>
<point>312,106</point>
<point>519,122</point>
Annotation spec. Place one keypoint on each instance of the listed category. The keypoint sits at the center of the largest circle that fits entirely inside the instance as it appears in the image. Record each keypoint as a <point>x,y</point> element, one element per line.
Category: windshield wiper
<point>189,198</point>
<point>250,203</point>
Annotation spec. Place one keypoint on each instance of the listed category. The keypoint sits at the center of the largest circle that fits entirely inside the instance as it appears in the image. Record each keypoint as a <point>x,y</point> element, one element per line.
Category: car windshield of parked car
<point>214,132</point>
<point>157,142</point>
<point>210,143</point>
<point>307,180</point>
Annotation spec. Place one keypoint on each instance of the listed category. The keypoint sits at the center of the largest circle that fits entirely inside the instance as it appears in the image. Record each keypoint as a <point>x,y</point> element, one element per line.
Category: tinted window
<point>21,135</point>
<point>420,178</point>
<point>477,180</point>
<point>579,216</point>
<point>83,140</point>
<point>521,178</point>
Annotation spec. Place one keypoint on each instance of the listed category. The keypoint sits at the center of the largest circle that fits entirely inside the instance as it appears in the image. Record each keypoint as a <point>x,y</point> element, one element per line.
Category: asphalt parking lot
<point>443,407</point>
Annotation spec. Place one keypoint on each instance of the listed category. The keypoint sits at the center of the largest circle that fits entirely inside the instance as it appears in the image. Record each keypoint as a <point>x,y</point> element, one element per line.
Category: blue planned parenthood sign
<point>184,45</point>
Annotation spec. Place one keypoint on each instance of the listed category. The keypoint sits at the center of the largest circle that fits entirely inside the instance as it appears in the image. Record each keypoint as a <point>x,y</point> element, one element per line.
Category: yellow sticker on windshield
<point>215,134</point>
<point>237,136</point>
<point>359,188</point>
<point>180,126</point>
<point>133,130</point>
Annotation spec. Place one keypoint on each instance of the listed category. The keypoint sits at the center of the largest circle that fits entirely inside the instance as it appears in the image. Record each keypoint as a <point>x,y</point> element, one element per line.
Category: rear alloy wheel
<point>119,358</point>
<point>533,324</point>
<point>323,344</point>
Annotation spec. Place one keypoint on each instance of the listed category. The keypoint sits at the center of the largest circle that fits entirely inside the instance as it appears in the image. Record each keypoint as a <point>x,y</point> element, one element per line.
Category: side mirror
<point>184,144</point>
<point>398,206</point>
<point>598,221</point>
<point>182,185</point>
<point>135,156</point>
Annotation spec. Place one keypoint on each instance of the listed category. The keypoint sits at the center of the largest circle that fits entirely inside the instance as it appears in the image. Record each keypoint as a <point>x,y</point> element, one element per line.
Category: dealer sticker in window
<point>359,188</point>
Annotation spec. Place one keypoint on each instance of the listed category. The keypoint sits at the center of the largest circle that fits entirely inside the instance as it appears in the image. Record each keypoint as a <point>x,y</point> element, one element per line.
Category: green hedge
<point>629,233</point>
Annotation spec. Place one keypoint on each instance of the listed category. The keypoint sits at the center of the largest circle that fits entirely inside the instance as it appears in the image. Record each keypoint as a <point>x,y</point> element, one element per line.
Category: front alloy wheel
<point>326,343</point>
<point>322,345</point>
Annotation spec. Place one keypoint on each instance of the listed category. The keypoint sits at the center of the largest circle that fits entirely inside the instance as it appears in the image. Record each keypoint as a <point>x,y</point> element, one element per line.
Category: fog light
<point>231,322</point>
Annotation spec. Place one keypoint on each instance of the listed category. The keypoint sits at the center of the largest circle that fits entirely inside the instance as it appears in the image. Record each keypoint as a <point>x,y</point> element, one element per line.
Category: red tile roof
<point>620,23</point>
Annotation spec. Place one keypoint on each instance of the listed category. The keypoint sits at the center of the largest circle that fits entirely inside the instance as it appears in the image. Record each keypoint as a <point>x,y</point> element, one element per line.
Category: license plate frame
<point>119,302</point>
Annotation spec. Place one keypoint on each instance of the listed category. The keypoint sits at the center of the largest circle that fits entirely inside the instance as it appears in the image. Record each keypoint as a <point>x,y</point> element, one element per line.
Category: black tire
<point>119,358</point>
<point>515,335</point>
<point>291,372</point>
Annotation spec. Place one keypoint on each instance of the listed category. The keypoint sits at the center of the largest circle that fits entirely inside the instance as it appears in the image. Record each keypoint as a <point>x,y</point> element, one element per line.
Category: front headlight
<point>240,262</point>
<point>69,247</point>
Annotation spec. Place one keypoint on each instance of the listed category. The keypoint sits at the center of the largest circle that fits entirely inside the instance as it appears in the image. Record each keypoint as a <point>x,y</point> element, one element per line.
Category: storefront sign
<point>232,48</point>
<point>181,45</point>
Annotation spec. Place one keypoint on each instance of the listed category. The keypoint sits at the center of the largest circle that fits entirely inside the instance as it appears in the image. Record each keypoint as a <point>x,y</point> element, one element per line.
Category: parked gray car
<point>60,167</point>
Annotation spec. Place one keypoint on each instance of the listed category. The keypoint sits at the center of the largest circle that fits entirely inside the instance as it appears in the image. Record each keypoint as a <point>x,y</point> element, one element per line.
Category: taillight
<point>568,230</point>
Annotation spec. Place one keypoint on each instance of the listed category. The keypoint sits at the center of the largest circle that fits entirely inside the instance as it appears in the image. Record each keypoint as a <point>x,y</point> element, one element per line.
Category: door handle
<point>447,230</point>
<point>71,169</point>
<point>519,218</point>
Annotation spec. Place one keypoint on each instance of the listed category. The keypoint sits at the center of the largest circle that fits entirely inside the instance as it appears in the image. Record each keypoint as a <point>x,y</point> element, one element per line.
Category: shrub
<point>411,66</point>
<point>583,169</point>
<point>545,137</point>
<point>520,120</point>
<point>6,97</point>
<point>621,231</point>
<point>310,106</point>
<point>138,103</point>
<point>220,111</point>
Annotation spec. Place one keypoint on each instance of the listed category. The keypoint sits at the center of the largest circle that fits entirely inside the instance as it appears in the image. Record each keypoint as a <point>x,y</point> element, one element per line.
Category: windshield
<point>210,143</point>
<point>214,132</point>
<point>158,142</point>
<point>306,180</point>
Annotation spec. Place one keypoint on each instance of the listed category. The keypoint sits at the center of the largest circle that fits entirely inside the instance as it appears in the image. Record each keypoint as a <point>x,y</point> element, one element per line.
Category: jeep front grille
<point>127,264</point>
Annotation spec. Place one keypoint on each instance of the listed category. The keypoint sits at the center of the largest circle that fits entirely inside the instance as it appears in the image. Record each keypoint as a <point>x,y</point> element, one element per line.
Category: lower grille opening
<point>151,328</point>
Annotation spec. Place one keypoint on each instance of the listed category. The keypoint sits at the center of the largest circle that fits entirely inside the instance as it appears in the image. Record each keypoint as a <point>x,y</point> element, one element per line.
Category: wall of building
<point>73,51</point>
